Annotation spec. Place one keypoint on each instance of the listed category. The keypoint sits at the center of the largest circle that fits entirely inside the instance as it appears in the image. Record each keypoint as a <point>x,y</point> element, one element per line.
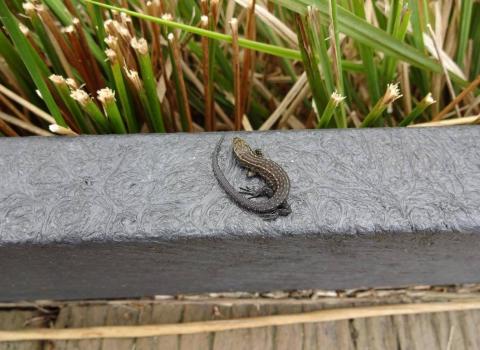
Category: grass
<point>87,67</point>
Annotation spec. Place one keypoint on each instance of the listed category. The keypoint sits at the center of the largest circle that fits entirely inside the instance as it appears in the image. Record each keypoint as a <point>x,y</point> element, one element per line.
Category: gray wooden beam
<point>128,216</point>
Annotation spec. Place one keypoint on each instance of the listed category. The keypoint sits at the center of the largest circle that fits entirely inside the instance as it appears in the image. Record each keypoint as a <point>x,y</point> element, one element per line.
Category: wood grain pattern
<point>423,331</point>
<point>161,186</point>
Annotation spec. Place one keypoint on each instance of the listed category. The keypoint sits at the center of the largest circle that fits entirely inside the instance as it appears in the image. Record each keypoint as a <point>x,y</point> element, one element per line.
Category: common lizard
<point>277,185</point>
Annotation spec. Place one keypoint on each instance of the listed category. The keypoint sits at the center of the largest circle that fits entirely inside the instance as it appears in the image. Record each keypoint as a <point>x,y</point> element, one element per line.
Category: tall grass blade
<point>107,97</point>
<point>249,44</point>
<point>33,62</point>
<point>340,118</point>
<point>156,117</point>
<point>369,35</point>
<point>418,110</point>
<point>465,22</point>
<point>183,104</point>
<point>367,56</point>
<point>310,62</point>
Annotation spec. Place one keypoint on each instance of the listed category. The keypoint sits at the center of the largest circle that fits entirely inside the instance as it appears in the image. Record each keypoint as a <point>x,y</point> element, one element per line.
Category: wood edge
<point>235,324</point>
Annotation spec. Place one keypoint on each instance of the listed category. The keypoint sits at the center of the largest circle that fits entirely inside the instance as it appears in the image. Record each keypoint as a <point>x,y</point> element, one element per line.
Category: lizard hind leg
<point>270,216</point>
<point>251,192</point>
<point>284,209</point>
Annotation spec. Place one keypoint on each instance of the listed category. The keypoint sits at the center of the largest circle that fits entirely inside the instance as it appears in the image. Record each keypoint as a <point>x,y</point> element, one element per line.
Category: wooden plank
<point>81,316</point>
<point>191,313</point>
<point>15,319</point>
<point>423,331</point>
<point>142,215</point>
<point>288,337</point>
<point>169,313</point>
<point>124,315</point>
<point>441,327</point>
<point>331,335</point>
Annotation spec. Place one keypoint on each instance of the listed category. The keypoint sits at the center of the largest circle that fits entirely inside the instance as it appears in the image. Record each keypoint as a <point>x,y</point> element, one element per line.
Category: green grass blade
<point>92,110</point>
<point>418,110</point>
<point>311,64</point>
<point>367,56</point>
<point>8,52</point>
<point>95,14</point>
<point>61,11</point>
<point>465,22</point>
<point>380,16</point>
<point>334,101</point>
<point>32,61</point>
<point>150,84</point>
<point>46,42</point>
<point>248,44</point>
<point>371,36</point>
<point>107,98</point>
<point>16,65</point>
<point>392,93</point>
<point>394,16</point>
<point>73,107</point>
<point>124,97</point>
<point>418,28</point>
<point>266,31</point>
<point>399,32</point>
<point>340,117</point>
<point>318,40</point>
<point>475,69</point>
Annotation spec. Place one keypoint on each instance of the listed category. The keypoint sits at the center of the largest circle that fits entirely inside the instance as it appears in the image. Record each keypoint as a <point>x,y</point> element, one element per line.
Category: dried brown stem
<point>445,72</point>
<point>7,103</point>
<point>248,59</point>
<point>58,38</point>
<point>177,59</point>
<point>28,105</point>
<point>6,129</point>
<point>449,122</point>
<point>92,64</point>
<point>287,100</point>
<point>228,125</point>
<point>80,61</point>
<point>209,121</point>
<point>24,125</point>
<point>236,74</point>
<point>121,36</point>
<point>472,86</point>
<point>153,8</point>
<point>169,92</point>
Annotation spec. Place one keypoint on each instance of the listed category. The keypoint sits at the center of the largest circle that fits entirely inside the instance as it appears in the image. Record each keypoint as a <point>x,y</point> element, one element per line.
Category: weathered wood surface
<point>141,187</point>
<point>447,330</point>
<point>135,216</point>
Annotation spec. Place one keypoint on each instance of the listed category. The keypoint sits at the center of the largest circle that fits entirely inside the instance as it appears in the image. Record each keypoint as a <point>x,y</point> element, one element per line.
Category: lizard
<point>277,185</point>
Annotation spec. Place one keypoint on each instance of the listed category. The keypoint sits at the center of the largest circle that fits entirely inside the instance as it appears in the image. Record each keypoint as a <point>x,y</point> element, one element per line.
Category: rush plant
<point>89,67</point>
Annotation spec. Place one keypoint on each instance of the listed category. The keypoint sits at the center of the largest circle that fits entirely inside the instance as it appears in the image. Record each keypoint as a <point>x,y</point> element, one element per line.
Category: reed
<point>166,66</point>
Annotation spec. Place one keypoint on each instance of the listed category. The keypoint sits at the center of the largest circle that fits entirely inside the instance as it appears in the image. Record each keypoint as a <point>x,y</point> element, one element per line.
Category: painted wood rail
<point>132,216</point>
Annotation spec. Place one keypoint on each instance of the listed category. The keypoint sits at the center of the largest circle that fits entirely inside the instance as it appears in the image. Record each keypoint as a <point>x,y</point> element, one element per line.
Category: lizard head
<point>240,147</point>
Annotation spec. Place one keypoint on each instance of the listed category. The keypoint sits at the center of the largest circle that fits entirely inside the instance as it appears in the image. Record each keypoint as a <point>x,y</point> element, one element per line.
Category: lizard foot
<point>270,216</point>
<point>283,210</point>
<point>264,191</point>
